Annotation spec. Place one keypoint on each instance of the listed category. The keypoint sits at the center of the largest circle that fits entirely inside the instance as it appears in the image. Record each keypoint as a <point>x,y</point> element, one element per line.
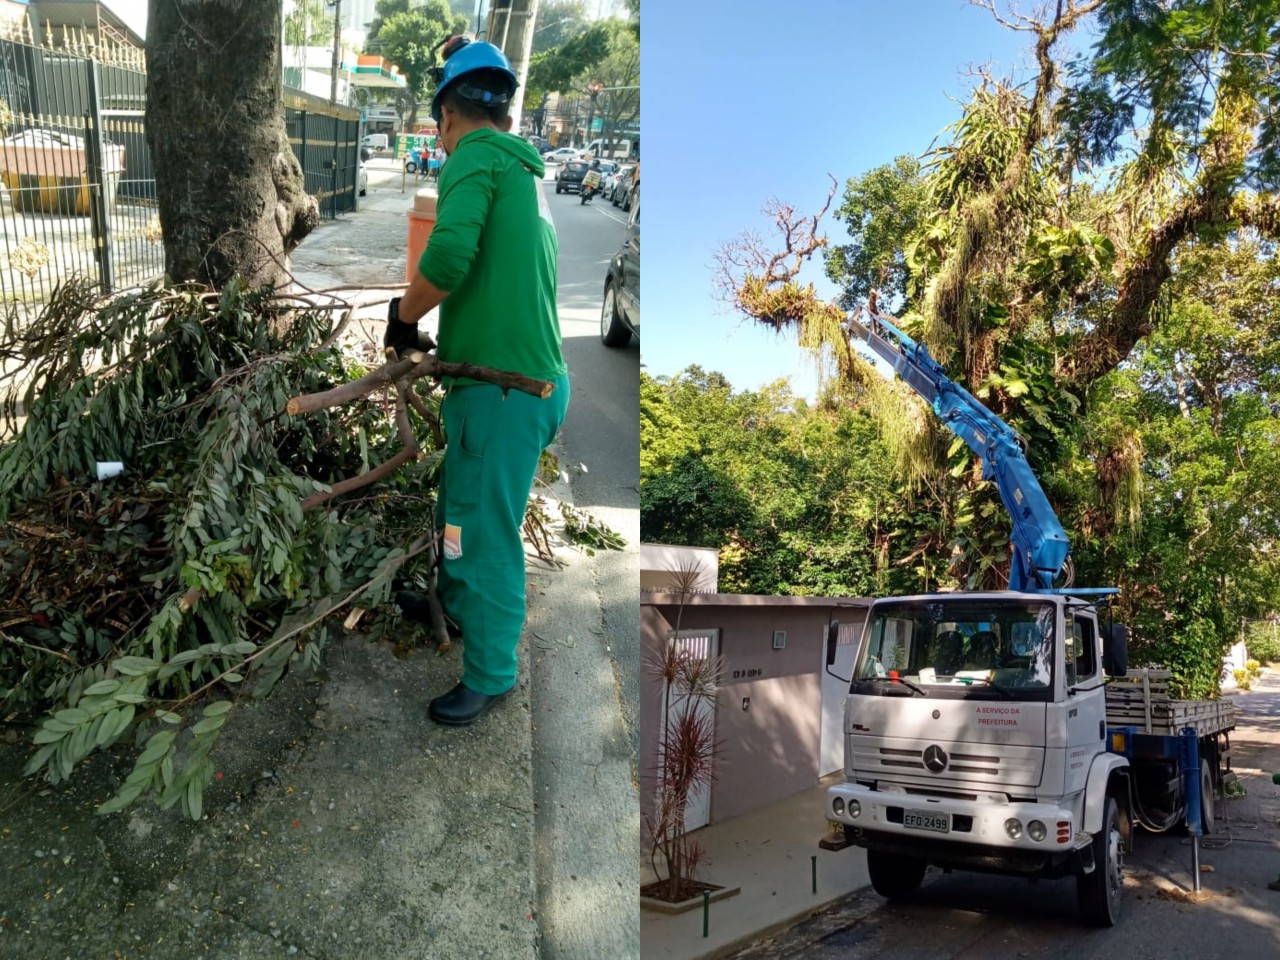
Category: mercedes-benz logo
<point>935,759</point>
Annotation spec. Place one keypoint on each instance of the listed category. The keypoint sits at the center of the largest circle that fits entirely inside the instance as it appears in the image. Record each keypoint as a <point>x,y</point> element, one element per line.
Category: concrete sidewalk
<point>343,822</point>
<point>767,854</point>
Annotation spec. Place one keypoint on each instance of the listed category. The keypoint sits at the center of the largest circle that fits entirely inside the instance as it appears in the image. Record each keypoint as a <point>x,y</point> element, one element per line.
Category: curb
<point>777,926</point>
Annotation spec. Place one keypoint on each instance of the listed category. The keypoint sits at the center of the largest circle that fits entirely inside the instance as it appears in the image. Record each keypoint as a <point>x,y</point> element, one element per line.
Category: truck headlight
<point>855,808</point>
<point>838,806</point>
<point>1013,827</point>
<point>1036,830</point>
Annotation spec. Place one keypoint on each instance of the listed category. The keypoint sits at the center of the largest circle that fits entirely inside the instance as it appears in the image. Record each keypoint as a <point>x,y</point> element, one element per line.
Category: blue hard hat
<point>462,57</point>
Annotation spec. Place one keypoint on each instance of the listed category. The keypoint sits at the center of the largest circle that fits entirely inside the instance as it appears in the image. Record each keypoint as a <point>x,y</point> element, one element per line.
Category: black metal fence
<point>326,141</point>
<point>77,183</point>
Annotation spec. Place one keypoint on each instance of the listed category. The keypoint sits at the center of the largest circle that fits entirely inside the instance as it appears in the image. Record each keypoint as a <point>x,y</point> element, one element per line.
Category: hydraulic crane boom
<point>1039,544</point>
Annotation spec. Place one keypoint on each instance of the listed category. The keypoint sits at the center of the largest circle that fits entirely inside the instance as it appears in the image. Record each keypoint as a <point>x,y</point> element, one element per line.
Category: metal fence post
<point>99,219</point>
<point>302,147</point>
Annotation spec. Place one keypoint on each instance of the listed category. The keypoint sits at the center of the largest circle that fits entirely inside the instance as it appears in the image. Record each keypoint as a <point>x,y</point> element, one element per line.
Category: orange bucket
<point>422,218</point>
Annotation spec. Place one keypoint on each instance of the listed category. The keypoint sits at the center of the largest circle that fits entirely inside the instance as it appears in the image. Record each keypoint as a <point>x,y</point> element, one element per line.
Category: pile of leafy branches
<point>124,601</point>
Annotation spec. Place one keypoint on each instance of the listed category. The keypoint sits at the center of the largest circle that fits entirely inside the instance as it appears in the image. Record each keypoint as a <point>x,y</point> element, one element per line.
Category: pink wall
<point>770,750</point>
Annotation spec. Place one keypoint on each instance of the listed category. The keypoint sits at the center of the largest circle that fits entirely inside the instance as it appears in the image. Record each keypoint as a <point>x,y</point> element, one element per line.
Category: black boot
<point>461,706</point>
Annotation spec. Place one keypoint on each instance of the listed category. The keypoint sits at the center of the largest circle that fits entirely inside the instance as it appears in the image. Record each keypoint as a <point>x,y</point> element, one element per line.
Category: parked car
<point>569,177</point>
<point>623,189</point>
<point>610,183</point>
<point>620,311</point>
<point>375,141</point>
<point>541,144</point>
<point>561,155</point>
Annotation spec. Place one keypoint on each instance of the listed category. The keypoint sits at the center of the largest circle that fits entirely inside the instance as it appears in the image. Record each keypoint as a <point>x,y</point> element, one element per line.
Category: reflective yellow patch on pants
<point>452,541</point>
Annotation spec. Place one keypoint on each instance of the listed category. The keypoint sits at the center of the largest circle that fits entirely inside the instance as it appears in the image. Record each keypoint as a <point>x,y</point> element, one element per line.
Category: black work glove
<point>401,337</point>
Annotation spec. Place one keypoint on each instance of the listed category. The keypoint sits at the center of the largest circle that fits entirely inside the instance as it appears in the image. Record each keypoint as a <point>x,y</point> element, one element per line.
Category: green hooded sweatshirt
<point>494,249</point>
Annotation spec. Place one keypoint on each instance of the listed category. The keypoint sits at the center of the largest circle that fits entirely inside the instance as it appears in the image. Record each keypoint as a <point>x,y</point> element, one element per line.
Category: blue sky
<point>745,100</point>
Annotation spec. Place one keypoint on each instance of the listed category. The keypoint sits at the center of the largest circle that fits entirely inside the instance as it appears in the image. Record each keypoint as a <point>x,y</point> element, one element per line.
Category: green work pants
<point>494,443</point>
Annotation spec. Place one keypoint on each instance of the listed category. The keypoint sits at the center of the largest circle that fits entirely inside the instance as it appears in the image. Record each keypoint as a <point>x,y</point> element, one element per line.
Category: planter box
<point>693,903</point>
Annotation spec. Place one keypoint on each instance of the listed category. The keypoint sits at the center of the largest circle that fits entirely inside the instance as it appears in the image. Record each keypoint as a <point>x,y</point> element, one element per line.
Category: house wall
<point>770,749</point>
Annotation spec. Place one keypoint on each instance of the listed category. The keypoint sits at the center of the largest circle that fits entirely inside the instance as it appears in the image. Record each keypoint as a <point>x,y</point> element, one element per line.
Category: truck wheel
<point>1099,892</point>
<point>894,875</point>
<point>1206,796</point>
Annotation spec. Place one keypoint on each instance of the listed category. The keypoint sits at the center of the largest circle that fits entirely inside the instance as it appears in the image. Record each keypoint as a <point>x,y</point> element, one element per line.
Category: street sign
<point>597,124</point>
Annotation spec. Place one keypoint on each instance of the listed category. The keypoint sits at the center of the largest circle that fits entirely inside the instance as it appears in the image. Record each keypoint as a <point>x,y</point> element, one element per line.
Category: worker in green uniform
<point>490,265</point>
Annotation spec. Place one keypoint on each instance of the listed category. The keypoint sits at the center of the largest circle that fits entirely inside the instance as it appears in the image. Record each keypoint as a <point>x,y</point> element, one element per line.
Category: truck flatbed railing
<point>1141,700</point>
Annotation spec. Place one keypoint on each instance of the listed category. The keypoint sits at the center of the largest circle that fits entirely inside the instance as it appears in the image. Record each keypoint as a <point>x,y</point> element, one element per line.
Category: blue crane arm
<point>1039,544</point>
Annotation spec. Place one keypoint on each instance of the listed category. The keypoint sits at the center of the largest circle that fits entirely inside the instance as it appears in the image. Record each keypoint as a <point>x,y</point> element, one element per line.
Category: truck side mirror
<point>833,638</point>
<point>1116,656</point>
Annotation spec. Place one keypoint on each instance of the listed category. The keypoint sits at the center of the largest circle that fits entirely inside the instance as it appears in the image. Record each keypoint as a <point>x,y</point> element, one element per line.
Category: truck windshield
<point>962,647</point>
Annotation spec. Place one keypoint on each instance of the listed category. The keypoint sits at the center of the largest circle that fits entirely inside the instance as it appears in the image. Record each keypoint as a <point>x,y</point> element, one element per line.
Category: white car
<point>609,184</point>
<point>561,155</point>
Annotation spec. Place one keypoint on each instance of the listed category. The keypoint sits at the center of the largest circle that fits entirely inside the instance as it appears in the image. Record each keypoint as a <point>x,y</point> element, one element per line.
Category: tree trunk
<point>230,190</point>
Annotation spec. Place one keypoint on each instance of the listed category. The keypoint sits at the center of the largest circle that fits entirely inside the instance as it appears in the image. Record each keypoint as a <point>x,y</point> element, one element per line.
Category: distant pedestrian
<point>490,265</point>
<point>435,162</point>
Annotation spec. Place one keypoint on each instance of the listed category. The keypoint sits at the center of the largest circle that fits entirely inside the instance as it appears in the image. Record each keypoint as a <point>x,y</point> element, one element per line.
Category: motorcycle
<point>590,187</point>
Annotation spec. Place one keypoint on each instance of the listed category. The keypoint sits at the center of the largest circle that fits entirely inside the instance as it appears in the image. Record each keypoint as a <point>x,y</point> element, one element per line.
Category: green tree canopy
<point>557,70</point>
<point>1091,252</point>
<point>408,38</point>
<point>558,22</point>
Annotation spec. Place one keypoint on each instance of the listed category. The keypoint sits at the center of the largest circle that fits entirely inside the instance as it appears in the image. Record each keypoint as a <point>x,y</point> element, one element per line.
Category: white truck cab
<point>976,738</point>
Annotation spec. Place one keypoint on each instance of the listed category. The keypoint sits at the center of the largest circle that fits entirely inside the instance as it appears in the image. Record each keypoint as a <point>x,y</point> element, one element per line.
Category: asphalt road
<point>586,681</point>
<point>979,917</point>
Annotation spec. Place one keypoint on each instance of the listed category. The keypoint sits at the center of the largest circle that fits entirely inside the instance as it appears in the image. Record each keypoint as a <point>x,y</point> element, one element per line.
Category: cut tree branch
<point>413,366</point>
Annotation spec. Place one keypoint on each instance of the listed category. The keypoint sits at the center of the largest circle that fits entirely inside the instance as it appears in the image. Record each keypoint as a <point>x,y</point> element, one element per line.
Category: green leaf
<point>126,796</point>
<point>267,680</point>
<point>66,759</point>
<point>134,698</point>
<point>217,708</point>
<point>39,759</point>
<point>141,774</point>
<point>72,715</point>
<point>135,666</point>
<point>121,718</point>
<point>102,687</point>
<point>208,725</point>
<point>106,731</point>
<point>157,747</point>
<point>1016,388</point>
<point>194,799</point>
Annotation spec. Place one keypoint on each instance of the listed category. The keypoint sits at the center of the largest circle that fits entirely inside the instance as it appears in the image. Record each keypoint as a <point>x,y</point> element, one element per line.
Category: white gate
<point>834,693</point>
<point>703,644</point>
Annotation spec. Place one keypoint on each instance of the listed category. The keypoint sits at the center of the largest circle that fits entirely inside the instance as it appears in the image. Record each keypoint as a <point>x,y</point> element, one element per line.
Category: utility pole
<point>511,30</point>
<point>337,51</point>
